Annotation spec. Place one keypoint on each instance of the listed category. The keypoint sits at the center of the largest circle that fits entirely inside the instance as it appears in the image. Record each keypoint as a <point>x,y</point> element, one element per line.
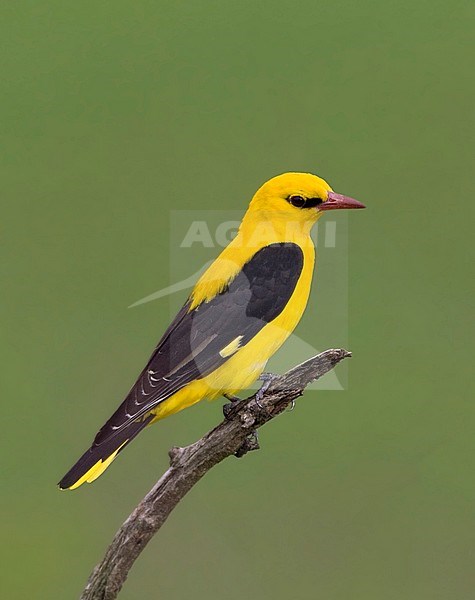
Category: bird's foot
<point>250,443</point>
<point>292,406</point>
<point>228,409</point>
<point>267,378</point>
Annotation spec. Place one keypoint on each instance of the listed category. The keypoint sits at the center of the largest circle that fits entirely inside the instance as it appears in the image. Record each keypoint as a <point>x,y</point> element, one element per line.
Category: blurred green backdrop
<point>114,113</point>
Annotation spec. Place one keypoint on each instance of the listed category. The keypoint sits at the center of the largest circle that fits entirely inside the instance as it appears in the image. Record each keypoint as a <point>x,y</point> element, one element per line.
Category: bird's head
<point>301,197</point>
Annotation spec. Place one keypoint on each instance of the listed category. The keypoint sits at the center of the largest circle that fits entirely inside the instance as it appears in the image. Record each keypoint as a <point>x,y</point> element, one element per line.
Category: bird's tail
<point>99,456</point>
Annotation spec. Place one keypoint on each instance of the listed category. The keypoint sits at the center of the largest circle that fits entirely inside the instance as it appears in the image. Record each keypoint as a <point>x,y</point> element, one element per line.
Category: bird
<point>238,314</point>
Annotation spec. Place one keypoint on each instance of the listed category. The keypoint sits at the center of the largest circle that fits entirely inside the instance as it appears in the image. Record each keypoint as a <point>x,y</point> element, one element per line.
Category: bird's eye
<point>301,202</point>
<point>297,201</point>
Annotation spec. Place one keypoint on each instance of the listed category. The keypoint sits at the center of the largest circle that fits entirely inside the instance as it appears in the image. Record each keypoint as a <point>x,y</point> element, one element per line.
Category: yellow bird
<point>239,313</point>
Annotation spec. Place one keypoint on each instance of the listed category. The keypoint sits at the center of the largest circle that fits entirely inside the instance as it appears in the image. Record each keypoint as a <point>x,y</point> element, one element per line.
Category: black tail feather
<point>102,452</point>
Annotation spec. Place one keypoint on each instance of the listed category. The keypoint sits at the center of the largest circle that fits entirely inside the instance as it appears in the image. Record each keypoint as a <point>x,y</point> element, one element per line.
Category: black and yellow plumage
<point>239,313</point>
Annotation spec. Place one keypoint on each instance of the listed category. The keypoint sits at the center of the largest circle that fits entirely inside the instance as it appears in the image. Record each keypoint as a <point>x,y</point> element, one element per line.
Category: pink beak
<point>335,201</point>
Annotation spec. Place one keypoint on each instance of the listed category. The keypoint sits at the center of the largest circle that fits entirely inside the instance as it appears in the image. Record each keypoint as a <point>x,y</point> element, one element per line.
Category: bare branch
<point>236,435</point>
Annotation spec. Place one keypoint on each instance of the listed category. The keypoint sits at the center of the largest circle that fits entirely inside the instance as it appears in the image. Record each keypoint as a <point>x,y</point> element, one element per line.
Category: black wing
<point>190,348</point>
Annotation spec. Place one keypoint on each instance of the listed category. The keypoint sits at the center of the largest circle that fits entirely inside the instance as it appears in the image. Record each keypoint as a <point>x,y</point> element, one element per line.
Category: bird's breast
<point>250,360</point>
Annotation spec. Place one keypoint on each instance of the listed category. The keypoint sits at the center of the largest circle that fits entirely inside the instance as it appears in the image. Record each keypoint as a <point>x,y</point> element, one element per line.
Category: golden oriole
<point>239,313</point>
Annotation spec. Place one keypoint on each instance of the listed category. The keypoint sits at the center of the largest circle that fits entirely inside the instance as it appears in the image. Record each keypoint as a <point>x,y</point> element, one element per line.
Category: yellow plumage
<point>266,221</point>
<point>281,214</point>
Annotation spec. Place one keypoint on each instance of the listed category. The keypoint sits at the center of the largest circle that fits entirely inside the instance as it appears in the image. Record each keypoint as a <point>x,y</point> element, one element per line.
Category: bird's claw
<point>228,409</point>
<point>267,378</point>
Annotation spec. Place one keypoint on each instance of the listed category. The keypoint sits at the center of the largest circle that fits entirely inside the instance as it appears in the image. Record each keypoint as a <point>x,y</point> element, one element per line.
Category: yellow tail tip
<point>95,471</point>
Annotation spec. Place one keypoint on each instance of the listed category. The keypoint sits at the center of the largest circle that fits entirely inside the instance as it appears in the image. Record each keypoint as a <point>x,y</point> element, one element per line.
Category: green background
<point>115,113</point>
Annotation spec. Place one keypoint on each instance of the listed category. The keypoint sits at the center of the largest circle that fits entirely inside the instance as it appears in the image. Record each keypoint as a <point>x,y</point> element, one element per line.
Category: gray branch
<point>236,435</point>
